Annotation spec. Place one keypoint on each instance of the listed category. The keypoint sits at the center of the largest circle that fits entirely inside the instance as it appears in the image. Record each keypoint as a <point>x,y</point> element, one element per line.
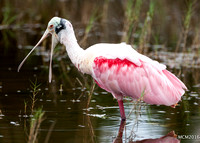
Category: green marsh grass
<point>36,115</point>
<point>63,68</point>
<point>8,16</point>
<point>89,27</point>
<point>186,27</point>
<point>137,104</point>
<point>34,87</point>
<point>89,84</point>
<point>132,14</point>
<point>25,108</point>
<point>137,108</point>
<point>146,29</point>
<point>35,123</point>
<point>196,45</point>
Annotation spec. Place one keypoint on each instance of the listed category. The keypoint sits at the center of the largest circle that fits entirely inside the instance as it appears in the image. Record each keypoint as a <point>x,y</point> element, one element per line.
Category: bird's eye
<point>51,26</point>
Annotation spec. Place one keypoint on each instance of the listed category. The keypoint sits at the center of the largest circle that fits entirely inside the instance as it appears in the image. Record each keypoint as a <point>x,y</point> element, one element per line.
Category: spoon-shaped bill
<point>45,35</point>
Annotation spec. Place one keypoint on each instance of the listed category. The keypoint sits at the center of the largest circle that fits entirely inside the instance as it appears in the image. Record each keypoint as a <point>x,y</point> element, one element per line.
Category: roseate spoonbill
<point>171,137</point>
<point>117,68</point>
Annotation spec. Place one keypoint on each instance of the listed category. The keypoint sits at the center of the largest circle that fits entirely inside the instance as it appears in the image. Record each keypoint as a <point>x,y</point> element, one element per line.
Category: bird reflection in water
<point>171,137</point>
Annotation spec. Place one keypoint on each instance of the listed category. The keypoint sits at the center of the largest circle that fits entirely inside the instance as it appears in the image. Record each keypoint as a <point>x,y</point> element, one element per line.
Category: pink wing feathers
<point>123,77</point>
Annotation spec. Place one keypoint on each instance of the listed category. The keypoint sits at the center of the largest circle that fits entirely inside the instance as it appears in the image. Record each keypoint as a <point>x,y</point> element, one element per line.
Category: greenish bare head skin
<point>53,23</point>
<point>57,24</point>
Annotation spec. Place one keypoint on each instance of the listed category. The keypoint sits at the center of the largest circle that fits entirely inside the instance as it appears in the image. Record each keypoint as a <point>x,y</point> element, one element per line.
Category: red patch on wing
<point>100,61</point>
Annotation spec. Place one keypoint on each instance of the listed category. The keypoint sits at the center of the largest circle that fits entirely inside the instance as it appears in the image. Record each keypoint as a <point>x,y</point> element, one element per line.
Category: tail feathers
<point>178,88</point>
<point>174,80</point>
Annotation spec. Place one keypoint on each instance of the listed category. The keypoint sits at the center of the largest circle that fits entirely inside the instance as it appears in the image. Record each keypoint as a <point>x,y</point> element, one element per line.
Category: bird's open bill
<point>53,44</point>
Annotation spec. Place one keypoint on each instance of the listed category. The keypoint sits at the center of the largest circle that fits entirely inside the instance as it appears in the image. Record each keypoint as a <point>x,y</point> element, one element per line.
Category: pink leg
<point>121,108</point>
<point>120,133</point>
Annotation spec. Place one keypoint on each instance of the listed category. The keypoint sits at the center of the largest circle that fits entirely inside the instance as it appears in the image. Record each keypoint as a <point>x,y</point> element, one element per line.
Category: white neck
<point>75,52</point>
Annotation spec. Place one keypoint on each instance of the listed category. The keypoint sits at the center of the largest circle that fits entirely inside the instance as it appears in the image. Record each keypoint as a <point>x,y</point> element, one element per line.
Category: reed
<point>36,116</point>
<point>91,92</point>
<point>148,111</point>
<point>195,48</point>
<point>89,85</point>
<point>50,131</point>
<point>34,87</point>
<point>64,76</point>
<point>25,108</point>
<point>137,108</point>
<point>186,27</point>
<point>146,29</point>
<point>132,14</point>
<point>36,121</point>
<point>8,16</point>
<point>137,104</point>
<point>89,27</point>
<point>92,137</point>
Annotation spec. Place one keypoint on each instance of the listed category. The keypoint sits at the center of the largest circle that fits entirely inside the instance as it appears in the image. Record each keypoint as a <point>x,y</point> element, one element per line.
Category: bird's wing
<point>129,73</point>
<point>122,51</point>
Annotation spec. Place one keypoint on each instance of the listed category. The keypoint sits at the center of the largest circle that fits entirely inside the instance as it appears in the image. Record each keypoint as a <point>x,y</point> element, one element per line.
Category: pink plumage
<point>124,78</point>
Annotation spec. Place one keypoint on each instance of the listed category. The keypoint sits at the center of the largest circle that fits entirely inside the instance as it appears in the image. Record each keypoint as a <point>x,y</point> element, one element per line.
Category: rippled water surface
<point>69,114</point>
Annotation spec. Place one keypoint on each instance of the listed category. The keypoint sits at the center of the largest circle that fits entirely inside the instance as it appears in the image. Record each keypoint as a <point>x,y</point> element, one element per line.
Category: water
<point>67,118</point>
<point>64,101</point>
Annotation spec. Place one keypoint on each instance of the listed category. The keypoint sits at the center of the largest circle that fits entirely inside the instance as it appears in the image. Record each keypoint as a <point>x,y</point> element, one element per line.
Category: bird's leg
<point>120,132</point>
<point>121,108</point>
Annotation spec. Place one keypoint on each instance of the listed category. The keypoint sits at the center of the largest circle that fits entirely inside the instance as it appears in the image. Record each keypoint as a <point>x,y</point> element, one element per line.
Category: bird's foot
<point>173,106</point>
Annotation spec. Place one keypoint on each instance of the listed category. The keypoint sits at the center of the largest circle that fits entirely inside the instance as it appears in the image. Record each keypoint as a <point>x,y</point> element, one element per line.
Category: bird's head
<point>58,25</point>
<point>55,27</point>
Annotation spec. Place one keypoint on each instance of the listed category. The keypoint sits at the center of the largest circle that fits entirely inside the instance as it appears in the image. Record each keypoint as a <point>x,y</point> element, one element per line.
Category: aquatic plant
<point>137,108</point>
<point>50,131</point>
<point>91,92</point>
<point>92,136</point>
<point>88,84</point>
<point>64,76</point>
<point>25,107</point>
<point>34,87</point>
<point>137,104</point>
<point>36,116</point>
<point>36,121</point>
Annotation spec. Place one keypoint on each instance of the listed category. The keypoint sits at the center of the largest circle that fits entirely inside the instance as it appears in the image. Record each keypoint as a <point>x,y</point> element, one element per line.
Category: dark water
<point>64,101</point>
